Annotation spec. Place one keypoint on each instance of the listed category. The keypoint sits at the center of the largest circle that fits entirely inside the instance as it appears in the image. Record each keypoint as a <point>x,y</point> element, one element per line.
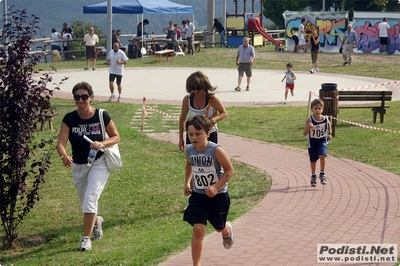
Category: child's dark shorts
<point>202,208</point>
<point>318,150</point>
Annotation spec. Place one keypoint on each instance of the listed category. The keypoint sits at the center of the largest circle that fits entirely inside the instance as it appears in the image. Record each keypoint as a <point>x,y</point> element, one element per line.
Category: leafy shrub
<point>24,160</point>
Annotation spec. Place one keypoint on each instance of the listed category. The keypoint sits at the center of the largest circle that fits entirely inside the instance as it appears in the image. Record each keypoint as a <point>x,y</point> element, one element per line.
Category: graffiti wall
<point>333,25</point>
<point>366,26</point>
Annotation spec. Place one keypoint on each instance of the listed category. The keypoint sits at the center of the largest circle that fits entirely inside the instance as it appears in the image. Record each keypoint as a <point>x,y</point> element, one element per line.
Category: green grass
<point>143,202</point>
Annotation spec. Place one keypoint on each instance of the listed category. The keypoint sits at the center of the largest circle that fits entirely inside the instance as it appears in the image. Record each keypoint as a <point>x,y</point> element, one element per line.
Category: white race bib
<point>204,176</point>
<point>318,131</point>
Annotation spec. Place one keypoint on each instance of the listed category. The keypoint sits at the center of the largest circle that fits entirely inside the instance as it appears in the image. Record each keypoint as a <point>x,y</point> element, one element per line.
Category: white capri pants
<point>89,182</point>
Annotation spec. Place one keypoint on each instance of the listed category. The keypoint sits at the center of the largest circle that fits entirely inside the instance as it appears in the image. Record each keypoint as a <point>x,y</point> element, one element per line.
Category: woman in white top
<point>200,101</point>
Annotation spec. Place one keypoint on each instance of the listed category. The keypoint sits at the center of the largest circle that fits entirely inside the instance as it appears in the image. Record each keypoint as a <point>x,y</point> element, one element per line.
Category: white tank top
<point>193,112</point>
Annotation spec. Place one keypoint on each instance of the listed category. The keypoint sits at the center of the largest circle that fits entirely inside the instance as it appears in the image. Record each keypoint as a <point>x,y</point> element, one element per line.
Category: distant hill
<point>53,13</point>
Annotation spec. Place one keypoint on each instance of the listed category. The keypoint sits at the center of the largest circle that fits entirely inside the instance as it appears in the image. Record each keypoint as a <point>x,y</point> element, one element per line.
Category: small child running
<point>209,199</point>
<point>290,77</point>
<point>318,128</point>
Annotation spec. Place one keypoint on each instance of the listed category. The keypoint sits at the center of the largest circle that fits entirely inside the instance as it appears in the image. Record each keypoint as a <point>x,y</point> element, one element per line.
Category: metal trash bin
<point>329,95</point>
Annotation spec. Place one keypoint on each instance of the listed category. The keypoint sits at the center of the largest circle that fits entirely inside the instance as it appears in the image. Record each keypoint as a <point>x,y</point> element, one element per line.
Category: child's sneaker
<point>86,244</point>
<point>312,70</point>
<point>98,229</point>
<point>313,181</point>
<point>228,240</point>
<point>322,177</point>
<point>285,102</point>
<point>316,70</point>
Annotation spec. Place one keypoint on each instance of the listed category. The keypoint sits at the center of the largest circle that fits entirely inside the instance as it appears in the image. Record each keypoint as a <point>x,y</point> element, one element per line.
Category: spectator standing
<point>209,169</point>
<point>91,40</point>
<point>57,40</point>
<point>190,36</point>
<point>302,40</point>
<point>67,44</point>
<point>68,29</point>
<point>116,61</point>
<point>139,28</point>
<point>244,60</point>
<point>318,129</point>
<point>295,38</point>
<point>183,34</point>
<point>118,40</point>
<point>314,41</point>
<point>200,100</point>
<point>383,35</point>
<point>113,37</point>
<point>221,30</point>
<point>348,45</point>
<point>289,77</point>
<point>169,30</point>
<point>177,33</point>
<point>89,176</point>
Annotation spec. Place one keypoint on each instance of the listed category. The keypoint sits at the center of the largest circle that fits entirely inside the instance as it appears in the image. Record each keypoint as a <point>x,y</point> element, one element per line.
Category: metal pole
<point>323,5</point>
<point>224,12</point>
<point>210,18</point>
<point>109,28</point>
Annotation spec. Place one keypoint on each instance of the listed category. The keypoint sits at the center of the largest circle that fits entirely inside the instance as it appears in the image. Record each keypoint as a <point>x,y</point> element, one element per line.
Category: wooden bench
<point>48,115</point>
<point>367,96</point>
<point>167,52</point>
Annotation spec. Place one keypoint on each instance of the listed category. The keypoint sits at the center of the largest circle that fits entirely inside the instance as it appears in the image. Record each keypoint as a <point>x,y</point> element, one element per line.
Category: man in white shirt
<point>383,36</point>
<point>91,40</point>
<point>116,61</point>
<point>190,36</point>
<point>302,40</point>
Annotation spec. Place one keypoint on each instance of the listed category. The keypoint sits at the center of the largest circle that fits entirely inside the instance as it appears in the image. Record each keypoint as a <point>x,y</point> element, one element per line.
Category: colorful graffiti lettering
<point>333,25</point>
<point>368,39</point>
<point>331,30</point>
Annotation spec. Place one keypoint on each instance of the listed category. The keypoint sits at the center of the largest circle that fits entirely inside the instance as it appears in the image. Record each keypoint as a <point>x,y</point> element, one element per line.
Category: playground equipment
<point>243,25</point>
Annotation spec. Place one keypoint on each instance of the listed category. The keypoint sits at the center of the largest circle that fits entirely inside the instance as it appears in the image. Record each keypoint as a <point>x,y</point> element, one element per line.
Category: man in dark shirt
<point>217,25</point>
<point>139,28</point>
<point>68,29</point>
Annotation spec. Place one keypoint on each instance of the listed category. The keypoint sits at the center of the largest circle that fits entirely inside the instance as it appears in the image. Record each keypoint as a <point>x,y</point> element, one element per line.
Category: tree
<point>316,5</point>
<point>274,9</point>
<point>362,5</point>
<point>24,160</point>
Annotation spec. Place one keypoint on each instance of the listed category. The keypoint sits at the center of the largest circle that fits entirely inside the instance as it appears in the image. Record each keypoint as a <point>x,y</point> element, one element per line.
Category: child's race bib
<point>204,176</point>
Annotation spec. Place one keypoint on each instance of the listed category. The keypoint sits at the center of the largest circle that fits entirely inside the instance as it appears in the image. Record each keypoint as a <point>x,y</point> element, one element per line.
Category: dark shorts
<point>383,40</point>
<point>56,47</point>
<point>113,76</point>
<point>318,150</point>
<point>202,208</point>
<point>245,68</point>
<point>295,39</point>
<point>213,137</point>
<point>91,52</point>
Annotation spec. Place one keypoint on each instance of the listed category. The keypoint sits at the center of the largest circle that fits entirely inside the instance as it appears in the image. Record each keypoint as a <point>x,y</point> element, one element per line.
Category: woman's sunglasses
<point>196,88</point>
<point>84,97</point>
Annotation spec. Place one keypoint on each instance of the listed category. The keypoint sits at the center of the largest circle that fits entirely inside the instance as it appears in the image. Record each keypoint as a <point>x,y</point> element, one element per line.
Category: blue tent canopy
<point>139,7</point>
